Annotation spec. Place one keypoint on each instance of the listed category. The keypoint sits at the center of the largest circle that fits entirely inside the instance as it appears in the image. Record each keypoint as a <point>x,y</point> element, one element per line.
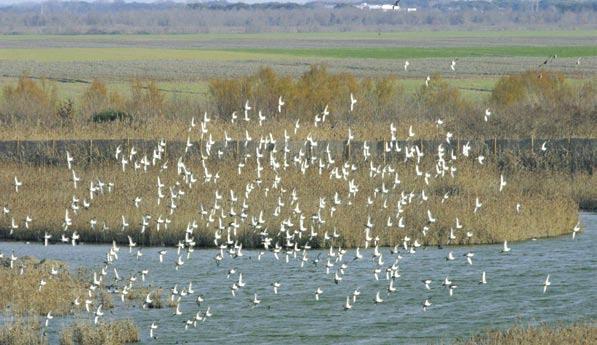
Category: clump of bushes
<point>306,96</point>
<point>66,112</point>
<point>147,101</point>
<point>96,98</point>
<point>110,333</point>
<point>533,103</point>
<point>29,102</point>
<point>531,87</point>
<point>542,103</point>
<point>111,116</point>
<point>440,100</point>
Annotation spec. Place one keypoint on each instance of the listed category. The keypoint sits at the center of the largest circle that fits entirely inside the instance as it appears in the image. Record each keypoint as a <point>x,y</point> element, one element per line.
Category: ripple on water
<point>513,293</point>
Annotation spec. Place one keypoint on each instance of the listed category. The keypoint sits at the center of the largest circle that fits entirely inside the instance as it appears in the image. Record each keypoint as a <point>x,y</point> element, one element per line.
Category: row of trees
<point>119,17</point>
<point>530,103</point>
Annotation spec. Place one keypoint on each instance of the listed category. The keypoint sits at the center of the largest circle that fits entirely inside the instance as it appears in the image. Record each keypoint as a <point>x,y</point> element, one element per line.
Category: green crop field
<point>413,53</point>
<point>183,63</point>
<point>120,54</point>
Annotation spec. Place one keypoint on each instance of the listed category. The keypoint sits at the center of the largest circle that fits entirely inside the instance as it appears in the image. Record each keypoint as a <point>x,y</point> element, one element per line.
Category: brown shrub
<point>542,103</point>
<point>95,98</point>
<point>146,100</point>
<point>29,101</point>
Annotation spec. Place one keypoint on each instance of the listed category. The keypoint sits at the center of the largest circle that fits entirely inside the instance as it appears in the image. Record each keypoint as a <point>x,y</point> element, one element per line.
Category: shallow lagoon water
<point>513,293</point>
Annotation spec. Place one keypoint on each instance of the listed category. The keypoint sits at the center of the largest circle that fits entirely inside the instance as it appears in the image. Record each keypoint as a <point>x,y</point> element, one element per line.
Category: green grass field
<point>120,54</point>
<point>182,63</point>
<point>414,53</point>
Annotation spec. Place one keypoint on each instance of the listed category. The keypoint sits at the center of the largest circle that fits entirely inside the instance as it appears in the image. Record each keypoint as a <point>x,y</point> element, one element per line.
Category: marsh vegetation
<point>535,103</point>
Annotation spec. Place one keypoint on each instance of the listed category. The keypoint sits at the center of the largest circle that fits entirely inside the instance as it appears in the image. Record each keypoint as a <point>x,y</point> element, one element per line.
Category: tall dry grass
<point>575,334</point>
<point>27,331</point>
<point>20,292</point>
<point>115,332</point>
<point>548,209</point>
<point>22,332</point>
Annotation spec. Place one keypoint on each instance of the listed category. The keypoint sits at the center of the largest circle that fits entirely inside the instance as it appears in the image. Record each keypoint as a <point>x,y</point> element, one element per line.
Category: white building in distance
<point>385,7</point>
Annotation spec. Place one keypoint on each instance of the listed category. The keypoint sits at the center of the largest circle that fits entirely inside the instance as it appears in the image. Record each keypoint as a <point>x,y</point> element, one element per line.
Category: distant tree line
<point>221,16</point>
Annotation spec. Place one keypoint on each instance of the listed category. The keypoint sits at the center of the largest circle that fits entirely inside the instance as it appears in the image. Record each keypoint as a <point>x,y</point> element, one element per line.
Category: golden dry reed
<point>116,332</point>
<point>547,207</point>
<point>22,331</point>
<point>22,293</point>
<point>575,334</point>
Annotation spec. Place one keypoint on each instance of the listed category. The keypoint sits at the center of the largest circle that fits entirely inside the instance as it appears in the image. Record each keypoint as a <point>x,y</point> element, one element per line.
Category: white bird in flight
<point>483,278</point>
<point>546,284</point>
<point>17,184</point>
<point>506,249</point>
<point>280,104</point>
<point>152,328</point>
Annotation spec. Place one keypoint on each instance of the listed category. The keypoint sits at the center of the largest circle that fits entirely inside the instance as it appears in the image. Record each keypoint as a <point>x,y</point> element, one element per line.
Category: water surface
<point>513,293</point>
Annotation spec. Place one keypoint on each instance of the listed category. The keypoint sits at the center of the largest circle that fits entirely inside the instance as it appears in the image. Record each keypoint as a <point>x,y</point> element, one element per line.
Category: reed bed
<point>547,207</point>
<point>177,129</point>
<point>115,332</point>
<point>21,294</point>
<point>575,334</point>
<point>22,332</point>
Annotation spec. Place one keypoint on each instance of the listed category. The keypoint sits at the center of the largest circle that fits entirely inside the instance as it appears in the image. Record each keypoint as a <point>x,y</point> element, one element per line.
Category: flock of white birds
<point>291,239</point>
